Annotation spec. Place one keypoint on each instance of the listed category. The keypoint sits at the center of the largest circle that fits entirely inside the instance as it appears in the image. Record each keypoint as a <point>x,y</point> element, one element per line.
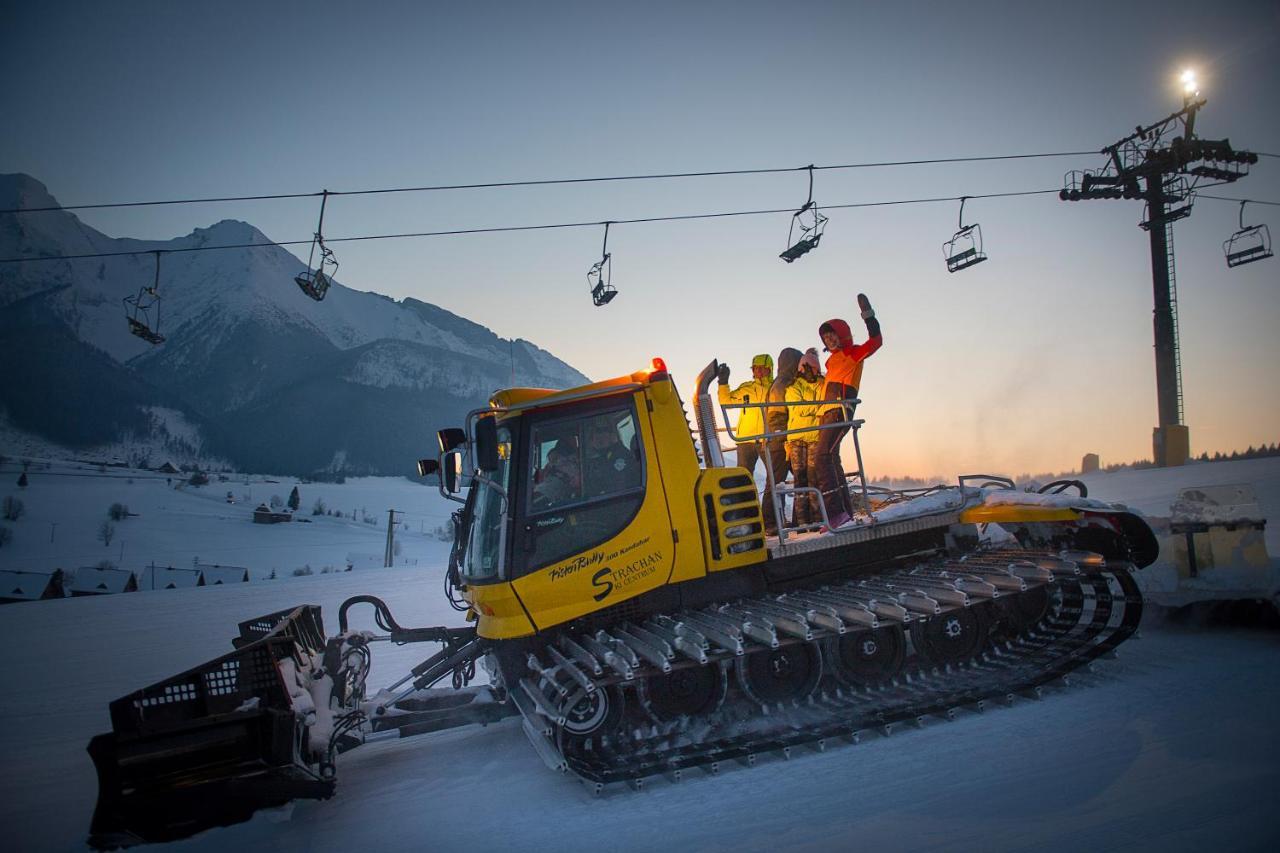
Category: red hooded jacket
<point>844,366</point>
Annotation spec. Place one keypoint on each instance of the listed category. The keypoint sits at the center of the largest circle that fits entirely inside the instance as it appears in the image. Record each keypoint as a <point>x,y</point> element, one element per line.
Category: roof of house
<point>92,580</point>
<point>24,585</point>
<point>223,574</point>
<point>167,577</point>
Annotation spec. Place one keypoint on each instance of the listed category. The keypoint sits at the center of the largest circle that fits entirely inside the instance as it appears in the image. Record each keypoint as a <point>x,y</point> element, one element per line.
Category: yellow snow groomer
<point>626,604</point>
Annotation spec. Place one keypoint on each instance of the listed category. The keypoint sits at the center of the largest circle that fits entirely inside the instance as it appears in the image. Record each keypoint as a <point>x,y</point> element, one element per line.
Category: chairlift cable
<point>553,181</point>
<point>561,225</point>
<point>1249,200</point>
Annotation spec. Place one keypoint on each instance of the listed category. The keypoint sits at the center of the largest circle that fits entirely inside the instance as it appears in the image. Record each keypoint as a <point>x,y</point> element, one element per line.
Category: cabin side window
<point>585,482</point>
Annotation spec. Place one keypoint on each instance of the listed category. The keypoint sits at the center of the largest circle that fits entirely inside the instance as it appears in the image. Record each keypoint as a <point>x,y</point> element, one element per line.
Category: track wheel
<point>1026,609</point>
<point>597,714</point>
<point>952,637</point>
<point>691,691</point>
<point>786,674</point>
<point>867,658</point>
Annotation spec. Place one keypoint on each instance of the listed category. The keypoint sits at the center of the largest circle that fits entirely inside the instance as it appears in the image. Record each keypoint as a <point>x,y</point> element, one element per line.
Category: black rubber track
<point>1092,614</point>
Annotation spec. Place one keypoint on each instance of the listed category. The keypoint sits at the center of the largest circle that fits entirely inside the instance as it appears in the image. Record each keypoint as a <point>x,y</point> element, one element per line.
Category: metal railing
<point>778,492</point>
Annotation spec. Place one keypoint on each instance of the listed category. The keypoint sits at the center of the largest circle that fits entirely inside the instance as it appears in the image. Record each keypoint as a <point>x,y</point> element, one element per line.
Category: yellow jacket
<point>801,417</point>
<point>751,420</point>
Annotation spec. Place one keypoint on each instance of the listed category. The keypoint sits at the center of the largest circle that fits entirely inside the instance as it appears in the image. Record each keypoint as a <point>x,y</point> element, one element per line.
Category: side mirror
<point>452,464</point>
<point>487,444</point>
<point>450,438</point>
<point>427,467</point>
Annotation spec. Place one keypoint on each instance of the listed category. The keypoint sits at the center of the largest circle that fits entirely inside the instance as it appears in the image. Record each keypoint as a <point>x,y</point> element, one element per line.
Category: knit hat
<point>810,358</point>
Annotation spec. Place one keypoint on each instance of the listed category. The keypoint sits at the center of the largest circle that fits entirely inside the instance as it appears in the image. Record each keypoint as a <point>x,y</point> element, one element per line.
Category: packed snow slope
<point>1174,746</point>
<point>175,524</point>
<point>274,380</point>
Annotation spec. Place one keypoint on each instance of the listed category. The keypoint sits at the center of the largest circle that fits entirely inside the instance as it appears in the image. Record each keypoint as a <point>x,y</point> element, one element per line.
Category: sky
<point>1020,364</point>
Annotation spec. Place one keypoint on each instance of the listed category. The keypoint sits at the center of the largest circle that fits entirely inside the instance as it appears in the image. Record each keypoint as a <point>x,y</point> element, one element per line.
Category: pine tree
<point>294,499</point>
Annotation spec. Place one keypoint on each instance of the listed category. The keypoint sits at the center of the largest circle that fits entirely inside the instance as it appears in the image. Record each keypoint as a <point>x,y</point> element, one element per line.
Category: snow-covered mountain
<point>272,379</point>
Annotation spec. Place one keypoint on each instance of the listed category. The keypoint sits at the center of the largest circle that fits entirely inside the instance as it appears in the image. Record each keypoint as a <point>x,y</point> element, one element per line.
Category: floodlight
<point>1190,86</point>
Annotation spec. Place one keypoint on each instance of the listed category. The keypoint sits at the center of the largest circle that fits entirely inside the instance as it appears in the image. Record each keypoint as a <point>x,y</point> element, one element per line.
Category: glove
<point>722,375</point>
<point>869,316</point>
<point>865,304</point>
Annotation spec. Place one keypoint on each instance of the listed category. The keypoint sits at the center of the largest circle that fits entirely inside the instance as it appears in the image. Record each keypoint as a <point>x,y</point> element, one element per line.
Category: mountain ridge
<point>248,358</point>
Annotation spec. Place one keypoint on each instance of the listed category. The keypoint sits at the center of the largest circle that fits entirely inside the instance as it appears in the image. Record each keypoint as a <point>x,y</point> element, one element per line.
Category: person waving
<point>844,377</point>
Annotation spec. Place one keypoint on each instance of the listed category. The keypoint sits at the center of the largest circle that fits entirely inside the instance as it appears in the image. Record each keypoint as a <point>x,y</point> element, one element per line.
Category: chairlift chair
<point>600,274</point>
<point>137,310</point>
<point>315,281</point>
<point>806,228</point>
<point>964,249</point>
<point>1251,243</point>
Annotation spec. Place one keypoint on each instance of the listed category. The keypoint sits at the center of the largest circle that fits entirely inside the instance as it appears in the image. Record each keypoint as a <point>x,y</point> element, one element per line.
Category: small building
<point>1090,463</point>
<point>18,586</point>
<point>215,575</point>
<point>168,468</point>
<point>266,515</point>
<point>88,580</point>
<point>167,577</point>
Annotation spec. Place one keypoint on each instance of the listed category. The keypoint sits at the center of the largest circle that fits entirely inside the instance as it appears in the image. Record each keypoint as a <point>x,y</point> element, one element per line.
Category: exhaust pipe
<point>705,412</point>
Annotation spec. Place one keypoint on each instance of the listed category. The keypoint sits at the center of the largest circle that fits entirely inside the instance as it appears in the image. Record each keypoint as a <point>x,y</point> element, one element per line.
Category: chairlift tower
<point>1162,164</point>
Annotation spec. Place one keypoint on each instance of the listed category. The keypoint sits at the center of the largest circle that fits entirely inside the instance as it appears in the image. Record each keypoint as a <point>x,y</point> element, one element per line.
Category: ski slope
<point>1173,746</point>
<point>174,524</point>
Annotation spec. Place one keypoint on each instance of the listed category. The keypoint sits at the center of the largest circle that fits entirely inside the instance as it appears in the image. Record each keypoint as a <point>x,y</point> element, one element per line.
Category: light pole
<point>389,557</point>
<point>1164,175</point>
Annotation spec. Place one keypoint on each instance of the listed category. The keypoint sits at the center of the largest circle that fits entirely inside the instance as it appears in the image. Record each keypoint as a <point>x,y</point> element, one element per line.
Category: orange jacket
<point>844,366</point>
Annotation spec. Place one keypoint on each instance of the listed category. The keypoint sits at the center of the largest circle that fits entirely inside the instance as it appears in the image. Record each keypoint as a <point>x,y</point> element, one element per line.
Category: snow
<point>172,439</point>
<point>1207,504</point>
<point>1154,491</point>
<point>174,425</point>
<point>174,524</point>
<point>396,366</point>
<point>1172,747</point>
<point>216,290</point>
<point>1002,497</point>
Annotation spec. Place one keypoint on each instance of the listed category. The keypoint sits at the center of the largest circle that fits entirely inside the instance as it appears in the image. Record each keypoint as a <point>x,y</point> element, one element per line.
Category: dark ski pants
<point>835,490</point>
<point>803,457</point>
<point>748,455</point>
<point>775,472</point>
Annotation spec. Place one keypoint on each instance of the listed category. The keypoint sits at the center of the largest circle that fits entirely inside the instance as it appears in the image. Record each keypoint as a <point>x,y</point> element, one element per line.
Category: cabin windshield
<point>486,537</point>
